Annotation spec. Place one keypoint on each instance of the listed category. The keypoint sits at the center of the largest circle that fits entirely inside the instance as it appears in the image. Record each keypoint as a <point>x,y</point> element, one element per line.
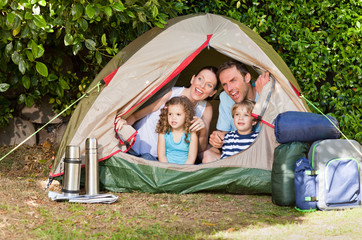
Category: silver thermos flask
<point>91,167</point>
<point>72,162</point>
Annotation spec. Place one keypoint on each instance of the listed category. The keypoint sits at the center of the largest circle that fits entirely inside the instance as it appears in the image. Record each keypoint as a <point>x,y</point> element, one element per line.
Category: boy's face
<point>243,121</point>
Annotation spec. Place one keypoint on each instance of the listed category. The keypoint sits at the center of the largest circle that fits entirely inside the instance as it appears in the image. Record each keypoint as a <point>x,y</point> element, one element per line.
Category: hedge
<point>55,48</point>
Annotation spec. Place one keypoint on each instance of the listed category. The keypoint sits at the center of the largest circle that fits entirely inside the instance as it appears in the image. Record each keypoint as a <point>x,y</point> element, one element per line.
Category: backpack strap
<point>311,199</point>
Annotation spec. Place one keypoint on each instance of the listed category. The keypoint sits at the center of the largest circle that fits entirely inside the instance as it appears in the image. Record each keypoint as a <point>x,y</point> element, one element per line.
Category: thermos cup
<point>91,167</point>
<point>71,180</point>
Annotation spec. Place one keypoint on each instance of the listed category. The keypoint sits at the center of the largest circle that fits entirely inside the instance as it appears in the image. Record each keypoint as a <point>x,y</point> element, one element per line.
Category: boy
<point>244,136</point>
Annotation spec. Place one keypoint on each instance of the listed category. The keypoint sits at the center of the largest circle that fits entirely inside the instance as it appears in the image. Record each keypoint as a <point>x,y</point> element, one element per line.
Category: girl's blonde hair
<point>164,127</point>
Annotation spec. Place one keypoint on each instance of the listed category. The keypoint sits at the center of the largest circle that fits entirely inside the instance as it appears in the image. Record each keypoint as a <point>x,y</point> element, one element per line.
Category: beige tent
<point>157,60</point>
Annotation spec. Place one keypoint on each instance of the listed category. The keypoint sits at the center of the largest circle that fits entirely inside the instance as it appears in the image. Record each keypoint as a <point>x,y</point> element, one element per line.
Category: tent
<point>149,66</point>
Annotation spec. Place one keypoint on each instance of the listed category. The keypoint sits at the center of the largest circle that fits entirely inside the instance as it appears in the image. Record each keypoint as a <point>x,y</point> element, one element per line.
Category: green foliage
<point>56,47</point>
<point>320,41</point>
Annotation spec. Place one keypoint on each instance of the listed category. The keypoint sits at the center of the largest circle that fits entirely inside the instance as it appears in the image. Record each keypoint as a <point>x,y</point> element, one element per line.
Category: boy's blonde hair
<point>248,104</point>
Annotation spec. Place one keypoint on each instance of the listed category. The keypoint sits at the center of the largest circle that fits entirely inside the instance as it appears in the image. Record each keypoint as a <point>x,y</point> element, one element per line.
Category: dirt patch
<point>27,212</point>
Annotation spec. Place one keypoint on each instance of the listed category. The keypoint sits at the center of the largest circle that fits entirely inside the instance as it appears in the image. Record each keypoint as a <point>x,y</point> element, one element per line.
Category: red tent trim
<point>181,67</point>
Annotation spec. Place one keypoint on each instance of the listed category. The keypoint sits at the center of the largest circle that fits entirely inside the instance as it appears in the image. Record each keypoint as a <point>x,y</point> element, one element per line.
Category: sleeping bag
<point>305,127</point>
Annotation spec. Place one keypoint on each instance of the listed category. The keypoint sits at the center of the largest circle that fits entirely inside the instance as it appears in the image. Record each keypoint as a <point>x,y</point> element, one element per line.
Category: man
<point>235,79</point>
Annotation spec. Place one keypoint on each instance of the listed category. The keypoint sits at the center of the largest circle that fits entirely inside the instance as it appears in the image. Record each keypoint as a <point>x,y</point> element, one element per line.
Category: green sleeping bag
<point>282,176</point>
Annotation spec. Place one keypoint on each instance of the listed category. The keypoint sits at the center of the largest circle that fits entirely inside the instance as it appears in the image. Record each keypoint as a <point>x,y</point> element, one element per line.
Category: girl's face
<point>176,116</point>
<point>203,85</point>
<point>243,121</point>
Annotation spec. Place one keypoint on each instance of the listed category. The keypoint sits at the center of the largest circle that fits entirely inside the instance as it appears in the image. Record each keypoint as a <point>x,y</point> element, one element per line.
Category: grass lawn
<point>27,213</point>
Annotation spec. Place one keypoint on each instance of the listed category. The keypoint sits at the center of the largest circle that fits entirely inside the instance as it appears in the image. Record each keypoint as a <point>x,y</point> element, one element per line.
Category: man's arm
<point>217,138</point>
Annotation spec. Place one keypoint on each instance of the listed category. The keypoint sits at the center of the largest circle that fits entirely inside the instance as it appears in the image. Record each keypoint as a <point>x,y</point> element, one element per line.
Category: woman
<point>203,85</point>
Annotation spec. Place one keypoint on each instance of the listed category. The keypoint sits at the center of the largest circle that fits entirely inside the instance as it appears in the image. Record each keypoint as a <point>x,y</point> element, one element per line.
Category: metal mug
<point>72,165</point>
<point>91,167</point>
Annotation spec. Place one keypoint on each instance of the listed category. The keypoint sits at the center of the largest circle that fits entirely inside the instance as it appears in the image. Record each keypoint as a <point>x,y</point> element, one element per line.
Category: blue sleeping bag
<point>304,127</point>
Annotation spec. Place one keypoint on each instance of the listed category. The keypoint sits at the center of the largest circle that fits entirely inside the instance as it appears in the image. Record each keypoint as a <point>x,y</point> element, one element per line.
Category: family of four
<point>175,128</point>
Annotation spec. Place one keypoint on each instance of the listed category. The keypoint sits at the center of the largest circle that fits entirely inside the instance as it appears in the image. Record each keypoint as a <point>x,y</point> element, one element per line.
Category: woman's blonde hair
<point>164,127</point>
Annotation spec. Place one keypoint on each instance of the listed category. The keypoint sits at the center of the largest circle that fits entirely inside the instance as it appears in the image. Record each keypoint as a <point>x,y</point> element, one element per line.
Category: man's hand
<point>120,123</point>
<point>261,81</point>
<point>217,138</point>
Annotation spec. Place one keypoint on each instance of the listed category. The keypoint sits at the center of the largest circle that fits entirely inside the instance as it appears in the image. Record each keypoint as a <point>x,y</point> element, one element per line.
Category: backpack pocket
<point>305,185</point>
<point>342,183</point>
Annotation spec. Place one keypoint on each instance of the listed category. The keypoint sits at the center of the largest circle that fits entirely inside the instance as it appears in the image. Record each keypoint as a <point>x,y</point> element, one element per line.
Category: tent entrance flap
<point>176,72</point>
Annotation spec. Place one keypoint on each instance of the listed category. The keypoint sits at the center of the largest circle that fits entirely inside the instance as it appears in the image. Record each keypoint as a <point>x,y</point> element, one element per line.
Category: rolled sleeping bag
<point>295,126</point>
<point>282,175</point>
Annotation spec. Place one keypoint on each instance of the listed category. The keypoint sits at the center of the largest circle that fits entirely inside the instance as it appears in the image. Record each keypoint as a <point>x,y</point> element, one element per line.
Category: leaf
<point>16,57</point>
<point>63,83</point>
<point>60,92</point>
<point>39,21</point>
<point>29,101</point>
<point>99,58</point>
<point>77,11</point>
<point>90,44</point>
<point>76,48</point>
<point>26,81</point>
<point>142,17</point>
<point>238,4</point>
<point>42,3</point>
<point>9,47</point>
<point>130,14</point>
<point>118,6</point>
<point>40,51</point>
<point>17,30</point>
<point>3,3</point>
<point>4,87</point>
<point>10,17</point>
<point>52,77</point>
<point>83,24</point>
<point>22,66</point>
<point>158,24</point>
<point>154,11</point>
<point>34,48</point>
<point>42,69</point>
<point>29,55</point>
<point>21,98</point>
<point>25,31</point>
<point>104,39</point>
<point>90,11</point>
<point>68,39</point>
<point>108,11</point>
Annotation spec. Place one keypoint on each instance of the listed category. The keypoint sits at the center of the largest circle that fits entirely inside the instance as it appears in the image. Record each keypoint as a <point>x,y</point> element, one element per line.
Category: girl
<point>176,142</point>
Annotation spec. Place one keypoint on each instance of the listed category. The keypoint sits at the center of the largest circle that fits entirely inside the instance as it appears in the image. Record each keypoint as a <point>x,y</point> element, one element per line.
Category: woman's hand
<point>197,124</point>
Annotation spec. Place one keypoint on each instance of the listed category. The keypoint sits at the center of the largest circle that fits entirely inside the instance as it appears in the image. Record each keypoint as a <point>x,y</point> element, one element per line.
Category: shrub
<point>320,41</point>
<point>56,47</point>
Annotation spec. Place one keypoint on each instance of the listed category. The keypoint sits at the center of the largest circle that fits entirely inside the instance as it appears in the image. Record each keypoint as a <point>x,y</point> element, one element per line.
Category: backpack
<point>305,185</point>
<point>337,163</point>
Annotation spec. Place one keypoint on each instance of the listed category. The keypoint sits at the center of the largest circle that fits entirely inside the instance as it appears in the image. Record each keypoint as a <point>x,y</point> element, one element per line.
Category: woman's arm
<point>145,111</point>
<point>204,132</point>
<point>192,149</point>
<point>161,148</point>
